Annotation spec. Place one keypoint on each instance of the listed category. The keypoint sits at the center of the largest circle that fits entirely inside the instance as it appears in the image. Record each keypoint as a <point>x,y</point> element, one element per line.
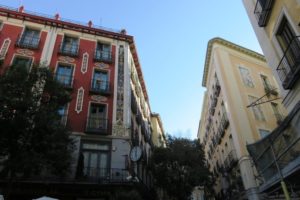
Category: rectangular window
<point>64,75</point>
<point>95,161</point>
<point>62,111</point>
<point>103,53</point>
<point>257,111</point>
<point>69,46</point>
<point>288,68</point>
<point>263,133</point>
<point>100,82</point>
<point>97,120</point>
<point>23,62</point>
<point>277,113</point>
<point>246,77</point>
<point>29,39</point>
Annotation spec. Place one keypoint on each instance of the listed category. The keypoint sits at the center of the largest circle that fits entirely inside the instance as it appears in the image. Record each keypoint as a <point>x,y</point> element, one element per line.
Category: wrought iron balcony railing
<point>69,50</point>
<point>262,11</point>
<point>103,56</point>
<point>230,160</point>
<point>289,66</point>
<point>64,79</point>
<point>133,103</point>
<point>97,125</point>
<point>28,42</point>
<point>100,87</point>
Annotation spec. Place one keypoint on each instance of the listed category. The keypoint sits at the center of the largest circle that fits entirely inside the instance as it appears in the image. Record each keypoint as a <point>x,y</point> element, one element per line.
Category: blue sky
<point>171,38</point>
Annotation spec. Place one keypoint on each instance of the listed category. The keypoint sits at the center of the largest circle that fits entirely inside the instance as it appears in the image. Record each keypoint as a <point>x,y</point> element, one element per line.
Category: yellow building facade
<point>158,134</point>
<point>234,78</point>
<point>277,158</point>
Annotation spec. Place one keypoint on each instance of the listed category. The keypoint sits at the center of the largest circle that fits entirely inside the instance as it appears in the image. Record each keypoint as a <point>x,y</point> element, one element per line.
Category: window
<point>288,68</point>
<point>262,11</point>
<point>62,111</point>
<point>246,77</point>
<point>64,75</point>
<point>263,133</point>
<point>277,112</point>
<point>29,39</point>
<point>97,121</point>
<point>69,46</point>
<point>103,53</point>
<point>100,82</point>
<point>95,159</point>
<point>23,62</point>
<point>257,111</point>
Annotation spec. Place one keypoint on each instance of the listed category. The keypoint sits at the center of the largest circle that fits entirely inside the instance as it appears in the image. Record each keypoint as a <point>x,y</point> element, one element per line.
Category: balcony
<point>69,50</point>
<point>212,111</point>
<point>279,118</point>
<point>289,66</point>
<point>224,121</point>
<point>262,11</point>
<point>217,89</point>
<point>103,175</point>
<point>65,80</point>
<point>230,160</point>
<point>103,56</point>
<point>27,42</point>
<point>100,87</point>
<point>214,101</point>
<point>97,125</point>
<point>133,103</point>
<point>282,145</point>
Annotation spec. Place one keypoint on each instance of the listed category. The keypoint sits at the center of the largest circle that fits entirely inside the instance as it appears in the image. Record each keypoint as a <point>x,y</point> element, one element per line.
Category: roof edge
<point>226,43</point>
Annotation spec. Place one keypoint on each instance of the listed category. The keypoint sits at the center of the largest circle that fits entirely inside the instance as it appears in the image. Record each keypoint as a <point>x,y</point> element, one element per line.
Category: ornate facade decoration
<point>25,52</point>
<point>102,65</point>
<point>120,130</point>
<point>4,47</point>
<point>85,63</point>
<point>120,87</point>
<point>98,98</point>
<point>79,101</point>
<point>66,59</point>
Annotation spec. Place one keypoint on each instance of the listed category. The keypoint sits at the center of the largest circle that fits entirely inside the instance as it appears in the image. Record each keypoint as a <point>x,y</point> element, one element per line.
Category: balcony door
<point>97,118</point>
<point>289,44</point>
<point>100,81</point>
<point>64,74</point>
<point>95,160</point>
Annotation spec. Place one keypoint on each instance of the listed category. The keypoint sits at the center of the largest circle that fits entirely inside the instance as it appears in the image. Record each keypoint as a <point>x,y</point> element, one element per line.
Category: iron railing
<point>289,65</point>
<point>104,175</point>
<point>230,160</point>
<point>99,86</point>
<point>28,42</point>
<point>103,56</point>
<point>97,125</point>
<point>69,50</point>
<point>74,22</point>
<point>65,80</point>
<point>262,11</point>
<point>133,103</point>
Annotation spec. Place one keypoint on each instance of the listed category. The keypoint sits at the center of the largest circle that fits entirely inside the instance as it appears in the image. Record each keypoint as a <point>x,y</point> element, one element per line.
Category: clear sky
<point>171,38</point>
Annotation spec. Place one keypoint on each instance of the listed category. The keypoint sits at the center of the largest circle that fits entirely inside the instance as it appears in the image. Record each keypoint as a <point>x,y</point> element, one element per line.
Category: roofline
<point>99,31</point>
<point>226,43</point>
<point>156,115</point>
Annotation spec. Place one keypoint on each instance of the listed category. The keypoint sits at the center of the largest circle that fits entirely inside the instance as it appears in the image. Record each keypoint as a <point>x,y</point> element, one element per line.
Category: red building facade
<point>109,112</point>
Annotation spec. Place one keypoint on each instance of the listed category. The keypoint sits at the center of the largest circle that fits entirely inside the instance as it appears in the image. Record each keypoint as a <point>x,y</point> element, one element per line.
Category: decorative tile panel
<point>4,47</point>
<point>120,87</point>
<point>85,63</point>
<point>79,101</point>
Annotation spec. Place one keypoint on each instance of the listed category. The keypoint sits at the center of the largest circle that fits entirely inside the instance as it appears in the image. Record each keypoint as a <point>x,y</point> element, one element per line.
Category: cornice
<point>230,45</point>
